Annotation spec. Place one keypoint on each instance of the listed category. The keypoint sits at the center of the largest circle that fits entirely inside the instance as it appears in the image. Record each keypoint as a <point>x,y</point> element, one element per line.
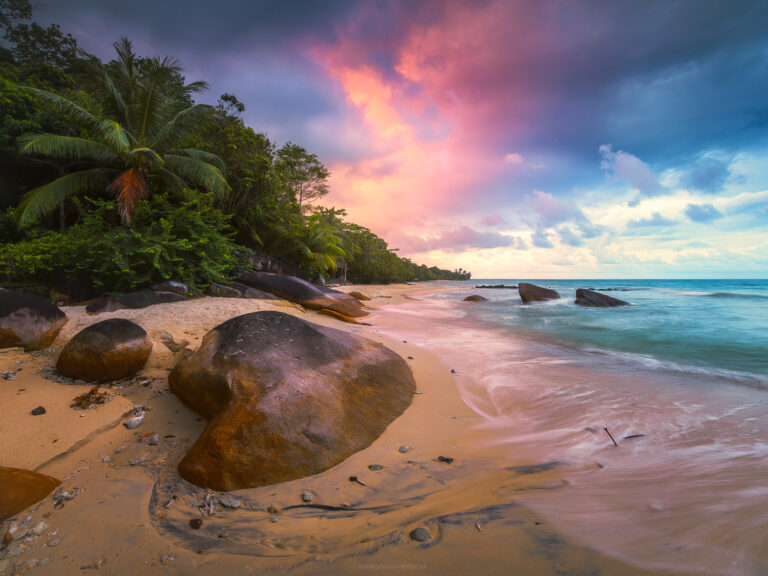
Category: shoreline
<point>120,523</point>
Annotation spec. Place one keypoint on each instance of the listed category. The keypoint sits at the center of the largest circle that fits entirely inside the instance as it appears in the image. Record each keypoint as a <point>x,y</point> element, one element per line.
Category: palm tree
<point>146,111</point>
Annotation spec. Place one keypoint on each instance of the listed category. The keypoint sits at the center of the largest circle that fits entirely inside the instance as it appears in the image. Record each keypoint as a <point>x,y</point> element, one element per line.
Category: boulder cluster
<point>283,398</point>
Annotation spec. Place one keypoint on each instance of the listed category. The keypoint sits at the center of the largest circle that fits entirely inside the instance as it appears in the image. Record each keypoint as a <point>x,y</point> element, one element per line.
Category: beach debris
<point>230,502</point>
<point>90,398</point>
<point>170,502</point>
<point>631,436</point>
<point>154,439</point>
<point>274,510</point>
<point>591,429</point>
<point>39,528</point>
<point>274,519</point>
<point>53,542</point>
<point>306,496</point>
<point>356,479</point>
<point>140,460</point>
<point>208,505</point>
<point>375,467</point>
<point>420,534</point>
<point>9,375</point>
<point>165,558</point>
<point>195,523</point>
<point>38,411</point>
<point>136,420</point>
<point>61,494</point>
<point>609,434</point>
<point>403,449</point>
<point>477,526</point>
<point>446,459</point>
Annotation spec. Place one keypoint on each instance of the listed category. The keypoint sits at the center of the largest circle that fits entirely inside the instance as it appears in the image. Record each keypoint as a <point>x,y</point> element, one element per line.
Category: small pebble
<point>446,459</point>
<point>375,467</point>
<point>404,449</point>
<point>274,519</point>
<point>229,502</point>
<point>306,496</point>
<point>53,542</point>
<point>420,534</point>
<point>39,528</point>
<point>38,411</point>
<point>154,439</point>
<point>195,523</point>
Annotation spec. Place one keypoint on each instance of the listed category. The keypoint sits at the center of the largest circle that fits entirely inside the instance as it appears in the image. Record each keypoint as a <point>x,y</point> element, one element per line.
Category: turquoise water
<point>680,379</point>
<point>715,326</point>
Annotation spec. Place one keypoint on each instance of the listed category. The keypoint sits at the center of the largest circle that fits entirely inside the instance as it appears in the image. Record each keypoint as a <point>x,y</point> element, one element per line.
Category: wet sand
<point>132,512</point>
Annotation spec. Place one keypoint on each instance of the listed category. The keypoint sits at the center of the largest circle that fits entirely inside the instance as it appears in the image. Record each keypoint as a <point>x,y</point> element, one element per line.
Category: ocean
<point>679,380</point>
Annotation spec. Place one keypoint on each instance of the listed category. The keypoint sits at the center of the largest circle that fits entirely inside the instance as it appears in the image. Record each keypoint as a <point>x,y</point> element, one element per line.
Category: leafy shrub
<point>187,243</point>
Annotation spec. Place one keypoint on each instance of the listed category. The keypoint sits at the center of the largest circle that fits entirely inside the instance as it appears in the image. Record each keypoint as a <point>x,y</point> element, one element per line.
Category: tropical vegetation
<point>113,177</point>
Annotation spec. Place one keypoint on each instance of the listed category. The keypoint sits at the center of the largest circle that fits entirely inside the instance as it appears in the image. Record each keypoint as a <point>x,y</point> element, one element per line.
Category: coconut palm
<point>132,146</point>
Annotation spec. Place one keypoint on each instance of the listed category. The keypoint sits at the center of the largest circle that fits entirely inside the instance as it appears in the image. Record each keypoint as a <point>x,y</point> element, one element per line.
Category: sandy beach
<point>131,511</point>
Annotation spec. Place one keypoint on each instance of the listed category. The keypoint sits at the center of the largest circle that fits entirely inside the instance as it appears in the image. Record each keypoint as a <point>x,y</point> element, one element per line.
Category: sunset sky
<point>512,138</point>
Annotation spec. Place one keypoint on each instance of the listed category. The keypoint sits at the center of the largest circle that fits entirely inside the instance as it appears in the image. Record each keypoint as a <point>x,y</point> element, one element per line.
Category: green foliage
<point>167,241</point>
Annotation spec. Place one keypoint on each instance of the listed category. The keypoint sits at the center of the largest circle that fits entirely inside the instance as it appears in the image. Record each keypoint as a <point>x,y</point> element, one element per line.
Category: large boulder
<point>132,301</point>
<point>305,293</point>
<point>594,299</point>
<point>29,321</point>
<point>108,350</point>
<point>533,293</point>
<point>359,296</point>
<point>284,399</point>
<point>22,488</point>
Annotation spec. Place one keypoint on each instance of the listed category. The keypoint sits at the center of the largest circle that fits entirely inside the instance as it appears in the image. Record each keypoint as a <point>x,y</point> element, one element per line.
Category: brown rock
<point>359,296</point>
<point>475,298</point>
<point>21,489</point>
<point>221,291</point>
<point>253,293</point>
<point>304,293</point>
<point>108,350</point>
<point>334,314</point>
<point>284,399</point>
<point>28,321</point>
<point>132,301</point>
<point>594,299</point>
<point>533,293</point>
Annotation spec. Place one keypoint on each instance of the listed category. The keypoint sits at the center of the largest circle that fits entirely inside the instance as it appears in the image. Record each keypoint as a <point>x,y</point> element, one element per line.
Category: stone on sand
<point>285,399</point>
<point>108,350</point>
<point>29,321</point>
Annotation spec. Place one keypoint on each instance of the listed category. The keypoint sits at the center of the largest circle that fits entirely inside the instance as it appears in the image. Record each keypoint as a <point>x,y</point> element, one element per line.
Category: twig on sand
<point>609,434</point>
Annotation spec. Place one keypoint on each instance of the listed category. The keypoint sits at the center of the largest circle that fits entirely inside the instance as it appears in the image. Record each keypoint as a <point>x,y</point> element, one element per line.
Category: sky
<point>536,139</point>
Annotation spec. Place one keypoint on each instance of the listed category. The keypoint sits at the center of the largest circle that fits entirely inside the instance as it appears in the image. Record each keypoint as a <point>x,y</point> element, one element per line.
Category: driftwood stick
<point>609,434</point>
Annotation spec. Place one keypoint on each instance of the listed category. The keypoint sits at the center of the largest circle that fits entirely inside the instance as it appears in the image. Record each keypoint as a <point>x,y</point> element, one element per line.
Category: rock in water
<point>533,293</point>
<point>284,399</point>
<point>475,298</point>
<point>594,299</point>
<point>304,293</point>
<point>21,489</point>
<point>132,300</point>
<point>107,350</point>
<point>28,321</point>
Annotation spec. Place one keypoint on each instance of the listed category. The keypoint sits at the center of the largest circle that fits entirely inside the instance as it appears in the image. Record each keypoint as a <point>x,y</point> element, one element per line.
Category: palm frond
<point>43,200</point>
<point>66,148</point>
<point>171,180</point>
<point>65,106</point>
<point>129,187</point>
<point>173,128</point>
<point>199,173</point>
<point>116,136</point>
<point>203,156</point>
<point>153,160</point>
